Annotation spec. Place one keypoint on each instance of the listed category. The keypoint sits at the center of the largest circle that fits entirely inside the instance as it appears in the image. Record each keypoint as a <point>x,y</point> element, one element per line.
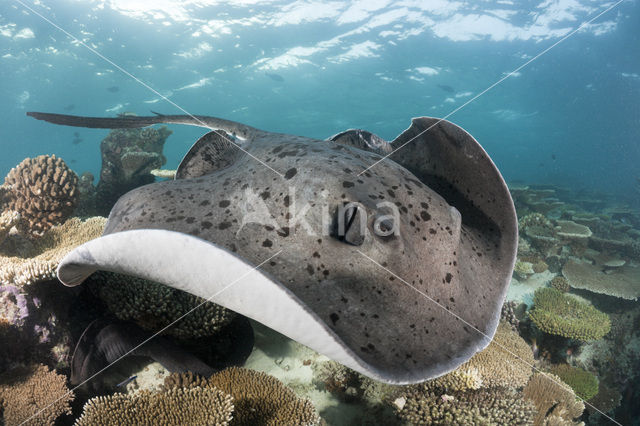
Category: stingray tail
<point>131,122</point>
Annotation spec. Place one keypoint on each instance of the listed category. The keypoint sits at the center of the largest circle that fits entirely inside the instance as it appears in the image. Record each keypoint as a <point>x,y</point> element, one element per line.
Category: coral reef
<point>618,281</point>
<point>583,383</point>
<point>540,266</point>
<point>606,400</point>
<point>38,260</point>
<point>8,219</point>
<point>426,404</point>
<point>128,156</point>
<point>508,314</point>
<point>522,270</point>
<point>506,362</point>
<point>555,401</point>
<point>560,283</point>
<point>258,398</point>
<point>35,392</point>
<point>175,407</point>
<point>153,306</point>
<point>570,230</point>
<point>43,190</point>
<point>556,313</point>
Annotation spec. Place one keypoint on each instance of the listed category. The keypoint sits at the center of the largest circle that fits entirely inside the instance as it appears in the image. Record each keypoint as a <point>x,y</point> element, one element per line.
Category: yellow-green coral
<point>556,313</point>
<point>584,383</point>
<point>522,270</point>
<point>176,407</point>
<point>560,283</point>
<point>154,306</point>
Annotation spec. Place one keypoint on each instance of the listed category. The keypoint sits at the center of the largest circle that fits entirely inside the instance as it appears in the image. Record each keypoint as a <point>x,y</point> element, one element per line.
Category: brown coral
<point>41,259</point>
<point>506,362</point>
<point>258,398</point>
<point>619,282</point>
<point>176,407</point>
<point>555,400</point>
<point>35,398</point>
<point>43,190</point>
<point>560,283</point>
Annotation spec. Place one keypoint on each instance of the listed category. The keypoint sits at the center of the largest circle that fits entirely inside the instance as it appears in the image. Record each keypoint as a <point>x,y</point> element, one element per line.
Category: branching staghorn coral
<point>194,406</point>
<point>39,393</point>
<point>556,313</point>
<point>259,399</point>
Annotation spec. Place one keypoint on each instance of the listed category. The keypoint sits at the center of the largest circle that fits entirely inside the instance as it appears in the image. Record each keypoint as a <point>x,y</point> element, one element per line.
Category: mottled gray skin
<point>456,243</point>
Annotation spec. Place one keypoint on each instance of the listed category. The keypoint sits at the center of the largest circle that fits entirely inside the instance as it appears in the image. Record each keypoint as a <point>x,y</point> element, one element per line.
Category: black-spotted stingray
<point>401,306</point>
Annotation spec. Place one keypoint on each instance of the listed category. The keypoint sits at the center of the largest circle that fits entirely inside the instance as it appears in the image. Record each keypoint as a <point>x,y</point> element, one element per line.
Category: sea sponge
<point>560,283</point>
<point>43,190</point>
<point>153,306</point>
<point>556,313</point>
<point>25,393</point>
<point>175,407</point>
<point>429,405</point>
<point>584,383</point>
<point>259,399</point>
<point>40,259</point>
<point>555,401</point>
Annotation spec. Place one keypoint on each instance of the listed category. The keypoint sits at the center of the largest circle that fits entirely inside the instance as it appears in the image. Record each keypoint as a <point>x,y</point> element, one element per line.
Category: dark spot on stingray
<point>347,184</point>
<point>284,231</point>
<point>264,195</point>
<point>316,254</point>
<point>448,277</point>
<point>287,201</point>
<point>391,193</point>
<point>269,227</point>
<point>267,243</point>
<point>334,318</point>
<point>376,316</point>
<point>205,203</point>
<point>206,224</point>
<point>224,225</point>
<point>424,205</point>
<point>347,170</point>
<point>190,219</point>
<point>224,203</point>
<point>432,231</point>
<point>452,300</point>
<point>290,173</point>
<point>310,269</point>
<point>424,215</point>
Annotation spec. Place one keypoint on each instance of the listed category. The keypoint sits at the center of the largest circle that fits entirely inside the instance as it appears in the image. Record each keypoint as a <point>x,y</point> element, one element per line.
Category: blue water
<point>570,117</point>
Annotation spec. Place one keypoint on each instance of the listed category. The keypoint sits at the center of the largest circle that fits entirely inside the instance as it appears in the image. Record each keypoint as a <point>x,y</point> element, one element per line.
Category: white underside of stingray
<point>175,259</point>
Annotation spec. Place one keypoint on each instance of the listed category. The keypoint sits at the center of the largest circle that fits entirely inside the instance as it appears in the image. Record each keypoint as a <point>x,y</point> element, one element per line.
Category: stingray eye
<point>349,224</point>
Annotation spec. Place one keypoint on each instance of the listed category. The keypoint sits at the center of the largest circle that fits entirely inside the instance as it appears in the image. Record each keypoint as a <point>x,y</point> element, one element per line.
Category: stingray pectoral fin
<point>362,139</point>
<point>201,268</point>
<point>213,151</point>
<point>241,131</point>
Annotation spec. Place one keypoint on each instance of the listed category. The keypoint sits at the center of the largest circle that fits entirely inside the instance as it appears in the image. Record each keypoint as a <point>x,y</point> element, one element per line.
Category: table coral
<point>43,190</point>
<point>38,392</point>
<point>259,399</point>
<point>619,281</point>
<point>193,406</point>
<point>556,313</point>
<point>555,401</point>
<point>153,306</point>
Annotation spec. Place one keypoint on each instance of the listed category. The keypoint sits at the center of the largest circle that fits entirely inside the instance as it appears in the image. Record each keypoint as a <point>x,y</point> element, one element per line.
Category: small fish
<point>275,77</point>
<point>76,134</point>
<point>69,107</point>
<point>446,88</point>
<point>76,141</point>
<point>113,89</point>
<point>553,157</point>
<point>126,381</point>
<point>534,349</point>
